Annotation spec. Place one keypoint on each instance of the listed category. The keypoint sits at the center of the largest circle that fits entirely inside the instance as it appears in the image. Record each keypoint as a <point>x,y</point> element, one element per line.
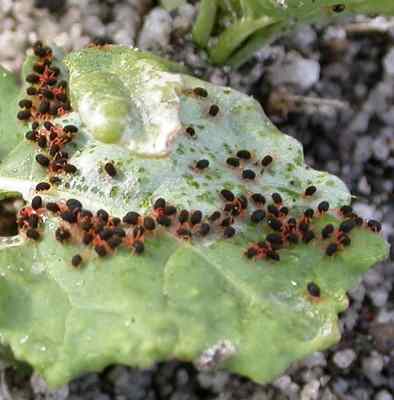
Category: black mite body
<point>76,261</point>
<point>42,186</point>
<point>248,174</point>
<point>227,195</point>
<point>244,155</point>
<point>110,169</point>
<point>323,207</point>
<point>257,216</point>
<point>233,162</point>
<point>138,247</point>
<point>159,203</point>
<point>202,164</point>
<point>196,217</point>
<point>36,202</point>
<point>33,234</point>
<point>277,198</point>
<point>229,232</point>
<point>331,249</point>
<point>327,231</point>
<point>313,289</point>
<point>131,218</point>
<point>183,216</point>
<point>213,110</point>
<point>258,199</point>
<point>310,190</point>
<point>266,161</point>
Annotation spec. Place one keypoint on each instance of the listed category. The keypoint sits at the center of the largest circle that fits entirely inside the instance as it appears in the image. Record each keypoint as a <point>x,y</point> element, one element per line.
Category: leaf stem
<point>205,21</point>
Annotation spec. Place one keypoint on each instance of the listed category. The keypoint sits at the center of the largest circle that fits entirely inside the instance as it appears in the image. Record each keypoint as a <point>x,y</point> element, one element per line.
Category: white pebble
<point>310,391</point>
<point>344,358</point>
<point>156,31</point>
<point>383,395</point>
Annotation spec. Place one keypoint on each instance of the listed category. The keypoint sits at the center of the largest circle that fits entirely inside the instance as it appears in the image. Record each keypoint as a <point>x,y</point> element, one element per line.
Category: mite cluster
<point>47,99</point>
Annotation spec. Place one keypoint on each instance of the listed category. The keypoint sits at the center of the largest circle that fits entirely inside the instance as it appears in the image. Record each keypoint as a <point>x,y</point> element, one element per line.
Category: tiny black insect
<point>76,261</point>
<point>227,195</point>
<point>184,233</point>
<point>138,247</point>
<point>25,103</point>
<point>170,210</point>
<point>293,238</point>
<point>159,203</point>
<point>42,160</point>
<point>309,213</point>
<point>273,210</point>
<point>202,164</point>
<point>131,218</point>
<point>53,207</point>
<point>213,110</point>
<point>243,201</point>
<point>42,141</point>
<point>23,115</point>
<point>54,149</point>
<point>323,207</point>
<point>183,216</point>
<point>303,226</point>
<point>70,168</point>
<point>48,94</point>
<point>292,222</point>
<point>327,231</point>
<point>233,162</point>
<point>73,204</point>
<point>199,91</point>
<point>214,216</point>
<point>149,223</point>
<point>310,190</point>
<point>33,234</point>
<point>331,249</point>
<point>32,78</point>
<point>31,91</point>
<point>313,289</point>
<point>251,252</point>
<point>227,221</point>
<point>374,225</point>
<point>267,160</point>
<point>277,198</point>
<point>244,155</point>
<point>118,231</point>
<point>62,234</point>
<point>346,211</point>
<point>190,131</point>
<point>345,240</point>
<point>33,221</point>
<point>164,220</point>
<point>204,229</point>
<point>43,106</point>
<point>70,129</point>
<point>196,217</point>
<point>308,236</point>
<point>36,202</point>
<point>102,215</point>
<point>100,250</point>
<point>110,169</point>
<point>274,238</point>
<point>284,211</point>
<point>69,217</point>
<point>31,135</point>
<point>275,224</point>
<point>248,174</point>
<point>257,216</point>
<point>43,186</point>
<point>258,198</point>
<point>114,242</point>
<point>87,238</point>
<point>338,8</point>
<point>347,226</point>
<point>106,233</point>
<point>273,255</point>
<point>228,232</point>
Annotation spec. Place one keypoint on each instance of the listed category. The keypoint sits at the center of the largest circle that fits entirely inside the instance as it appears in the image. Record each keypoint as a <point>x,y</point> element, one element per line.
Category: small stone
<point>156,31</point>
<point>383,395</point>
<point>344,358</point>
<point>388,62</point>
<point>310,391</point>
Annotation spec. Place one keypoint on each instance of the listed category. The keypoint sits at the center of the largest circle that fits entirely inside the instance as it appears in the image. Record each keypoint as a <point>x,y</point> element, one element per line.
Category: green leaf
<point>10,131</point>
<point>244,26</point>
<point>200,300</point>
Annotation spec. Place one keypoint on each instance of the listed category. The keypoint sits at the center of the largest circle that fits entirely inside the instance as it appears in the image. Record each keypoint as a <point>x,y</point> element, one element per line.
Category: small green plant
<point>165,217</point>
<point>233,30</point>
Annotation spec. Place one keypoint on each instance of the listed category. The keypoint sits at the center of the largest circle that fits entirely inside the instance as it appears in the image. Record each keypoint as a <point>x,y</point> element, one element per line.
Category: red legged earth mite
<point>308,214</point>
<point>228,232</point>
<point>277,198</point>
<point>327,231</point>
<point>257,216</point>
<point>213,110</point>
<point>33,234</point>
<point>346,211</point>
<point>204,229</point>
<point>110,169</point>
<point>233,162</point>
<point>184,233</point>
<point>76,261</point>
<point>195,217</point>
<point>248,174</point>
<point>251,252</point>
<point>273,210</point>
<point>227,195</point>
<point>160,203</point>
<point>138,247</point>
<point>101,250</point>
<point>42,186</point>
<point>275,224</point>
<point>183,216</point>
<point>215,216</point>
<point>244,155</point>
<point>344,240</point>
<point>131,218</point>
<point>164,220</point>
<point>24,115</point>
<point>293,238</point>
<point>200,92</point>
<point>374,225</point>
<point>52,207</point>
<point>227,221</point>
<point>25,103</point>
<point>266,161</point>
<point>313,289</point>
<point>62,234</point>
<point>32,91</point>
<point>338,8</point>
<point>283,211</point>
<point>323,207</point>
<point>308,236</point>
<point>31,135</point>
<point>310,191</point>
<point>170,210</point>
<point>36,202</point>
<point>190,131</point>
<point>347,226</point>
<point>243,201</point>
<point>331,249</point>
<point>202,164</point>
<point>149,223</point>
<point>258,199</point>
